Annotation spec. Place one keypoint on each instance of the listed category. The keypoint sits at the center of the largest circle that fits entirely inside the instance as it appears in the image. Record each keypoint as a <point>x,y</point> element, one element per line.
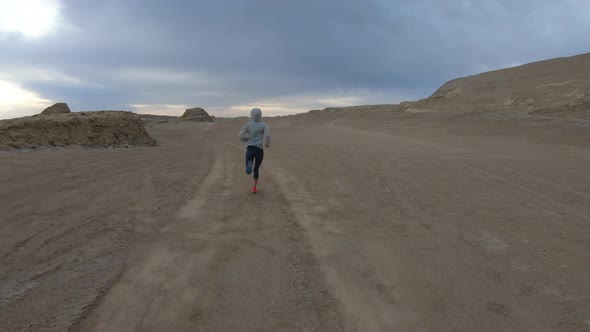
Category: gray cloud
<point>224,54</point>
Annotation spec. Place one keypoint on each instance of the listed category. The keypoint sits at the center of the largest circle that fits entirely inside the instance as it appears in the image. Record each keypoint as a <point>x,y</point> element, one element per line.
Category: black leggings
<point>257,155</point>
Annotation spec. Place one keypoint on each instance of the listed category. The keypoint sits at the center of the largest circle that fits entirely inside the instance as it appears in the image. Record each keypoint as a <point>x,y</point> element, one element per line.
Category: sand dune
<point>551,89</point>
<point>557,87</point>
<point>387,217</point>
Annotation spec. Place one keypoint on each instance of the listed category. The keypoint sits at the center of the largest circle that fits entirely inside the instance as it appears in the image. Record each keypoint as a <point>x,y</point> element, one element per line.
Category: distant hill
<point>552,88</point>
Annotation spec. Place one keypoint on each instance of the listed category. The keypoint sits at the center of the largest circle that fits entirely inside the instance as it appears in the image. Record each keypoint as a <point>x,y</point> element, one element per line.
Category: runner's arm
<point>244,134</point>
<point>266,136</point>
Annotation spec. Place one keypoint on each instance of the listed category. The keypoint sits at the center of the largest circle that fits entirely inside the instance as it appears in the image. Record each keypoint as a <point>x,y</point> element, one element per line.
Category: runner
<point>256,134</point>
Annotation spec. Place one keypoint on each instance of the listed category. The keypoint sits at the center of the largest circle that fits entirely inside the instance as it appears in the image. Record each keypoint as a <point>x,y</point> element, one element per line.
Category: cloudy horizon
<point>285,57</point>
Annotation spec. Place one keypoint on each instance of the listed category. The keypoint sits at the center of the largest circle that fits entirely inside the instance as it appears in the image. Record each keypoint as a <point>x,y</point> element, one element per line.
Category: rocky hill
<point>196,114</point>
<point>83,129</point>
<point>57,108</point>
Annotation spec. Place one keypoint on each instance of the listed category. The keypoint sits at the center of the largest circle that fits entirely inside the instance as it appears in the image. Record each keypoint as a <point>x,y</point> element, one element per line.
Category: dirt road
<point>399,228</point>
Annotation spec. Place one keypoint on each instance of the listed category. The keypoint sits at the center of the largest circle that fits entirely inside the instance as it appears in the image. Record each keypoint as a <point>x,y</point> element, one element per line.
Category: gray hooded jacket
<point>255,132</point>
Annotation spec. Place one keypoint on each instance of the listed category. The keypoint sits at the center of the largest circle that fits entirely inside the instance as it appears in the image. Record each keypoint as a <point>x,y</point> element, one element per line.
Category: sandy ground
<point>359,225</point>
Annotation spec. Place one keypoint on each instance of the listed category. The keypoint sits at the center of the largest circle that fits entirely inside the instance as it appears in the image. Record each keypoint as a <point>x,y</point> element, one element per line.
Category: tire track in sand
<point>158,286</point>
<point>228,260</point>
<point>363,295</point>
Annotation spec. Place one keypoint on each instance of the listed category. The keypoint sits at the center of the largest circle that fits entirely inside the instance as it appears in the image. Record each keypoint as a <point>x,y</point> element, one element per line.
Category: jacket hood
<point>256,114</point>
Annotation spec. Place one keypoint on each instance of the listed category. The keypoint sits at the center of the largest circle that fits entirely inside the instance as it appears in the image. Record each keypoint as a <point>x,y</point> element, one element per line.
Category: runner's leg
<point>258,161</point>
<point>249,159</point>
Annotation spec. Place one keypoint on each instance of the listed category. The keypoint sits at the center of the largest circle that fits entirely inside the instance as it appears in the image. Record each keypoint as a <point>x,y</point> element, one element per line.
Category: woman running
<point>255,133</point>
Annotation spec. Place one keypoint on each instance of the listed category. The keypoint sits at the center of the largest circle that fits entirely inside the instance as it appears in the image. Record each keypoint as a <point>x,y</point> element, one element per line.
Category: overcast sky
<point>283,56</point>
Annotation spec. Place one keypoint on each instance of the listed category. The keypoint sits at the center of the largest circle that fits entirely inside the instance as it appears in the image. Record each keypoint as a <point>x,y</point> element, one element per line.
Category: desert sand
<point>409,217</point>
